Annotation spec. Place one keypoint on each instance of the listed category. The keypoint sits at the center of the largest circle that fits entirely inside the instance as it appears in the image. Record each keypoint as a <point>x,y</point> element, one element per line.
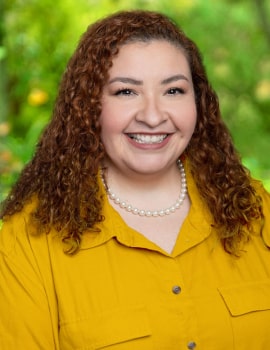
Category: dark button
<point>191,345</point>
<point>176,289</point>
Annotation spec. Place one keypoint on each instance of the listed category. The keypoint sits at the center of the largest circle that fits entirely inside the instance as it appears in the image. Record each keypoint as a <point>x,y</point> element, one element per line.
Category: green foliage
<point>38,37</point>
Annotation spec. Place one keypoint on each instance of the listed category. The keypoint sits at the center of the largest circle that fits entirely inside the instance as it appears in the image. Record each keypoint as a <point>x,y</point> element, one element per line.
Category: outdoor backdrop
<point>37,38</point>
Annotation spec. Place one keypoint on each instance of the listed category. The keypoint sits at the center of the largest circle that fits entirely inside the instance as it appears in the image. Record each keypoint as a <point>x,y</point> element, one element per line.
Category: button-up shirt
<point>123,292</point>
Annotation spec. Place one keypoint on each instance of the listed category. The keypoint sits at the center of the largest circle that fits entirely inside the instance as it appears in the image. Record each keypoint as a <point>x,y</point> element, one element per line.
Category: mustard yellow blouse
<point>122,292</point>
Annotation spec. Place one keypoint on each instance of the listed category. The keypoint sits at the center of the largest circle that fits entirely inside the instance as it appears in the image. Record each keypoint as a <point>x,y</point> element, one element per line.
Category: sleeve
<point>26,317</point>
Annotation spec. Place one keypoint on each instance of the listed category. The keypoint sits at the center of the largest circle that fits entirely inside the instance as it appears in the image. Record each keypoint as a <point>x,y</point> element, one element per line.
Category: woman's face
<point>148,108</point>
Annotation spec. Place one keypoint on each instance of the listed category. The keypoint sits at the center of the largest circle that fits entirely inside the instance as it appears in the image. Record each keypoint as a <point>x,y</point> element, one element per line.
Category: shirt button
<point>191,345</point>
<point>176,289</point>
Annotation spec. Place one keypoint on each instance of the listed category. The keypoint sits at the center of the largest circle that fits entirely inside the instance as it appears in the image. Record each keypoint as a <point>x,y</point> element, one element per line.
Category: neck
<point>147,200</point>
<point>140,181</point>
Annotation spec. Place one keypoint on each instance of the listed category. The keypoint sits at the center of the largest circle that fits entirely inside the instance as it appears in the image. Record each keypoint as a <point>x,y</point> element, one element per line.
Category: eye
<point>124,92</point>
<point>175,91</point>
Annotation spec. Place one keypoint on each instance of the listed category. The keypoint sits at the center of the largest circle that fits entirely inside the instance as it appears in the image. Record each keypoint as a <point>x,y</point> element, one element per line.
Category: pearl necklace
<point>150,213</point>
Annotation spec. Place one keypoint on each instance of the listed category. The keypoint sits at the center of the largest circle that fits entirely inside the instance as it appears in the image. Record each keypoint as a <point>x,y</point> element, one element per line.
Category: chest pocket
<point>249,307</point>
<point>248,297</point>
<point>123,329</point>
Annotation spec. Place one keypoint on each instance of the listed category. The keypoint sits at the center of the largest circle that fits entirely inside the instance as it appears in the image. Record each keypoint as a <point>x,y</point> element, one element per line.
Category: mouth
<point>148,139</point>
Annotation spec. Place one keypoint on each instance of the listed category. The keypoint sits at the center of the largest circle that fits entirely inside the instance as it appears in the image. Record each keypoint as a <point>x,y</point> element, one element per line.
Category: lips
<point>148,139</point>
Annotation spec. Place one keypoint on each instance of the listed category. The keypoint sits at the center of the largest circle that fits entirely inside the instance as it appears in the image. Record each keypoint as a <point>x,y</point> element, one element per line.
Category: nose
<point>151,112</point>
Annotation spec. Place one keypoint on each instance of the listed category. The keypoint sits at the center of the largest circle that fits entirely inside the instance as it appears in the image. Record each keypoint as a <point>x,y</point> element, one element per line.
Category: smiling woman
<point>148,116</point>
<point>135,225</point>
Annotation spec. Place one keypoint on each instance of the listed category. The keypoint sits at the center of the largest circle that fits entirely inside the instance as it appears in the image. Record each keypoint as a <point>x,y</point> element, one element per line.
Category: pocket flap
<point>122,325</point>
<point>246,297</point>
<point>105,329</point>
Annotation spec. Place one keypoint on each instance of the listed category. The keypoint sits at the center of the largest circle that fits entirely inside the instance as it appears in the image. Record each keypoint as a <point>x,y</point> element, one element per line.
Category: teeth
<point>148,139</point>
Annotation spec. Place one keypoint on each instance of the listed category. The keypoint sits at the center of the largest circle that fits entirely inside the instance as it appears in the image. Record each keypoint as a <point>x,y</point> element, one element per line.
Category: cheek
<point>191,119</point>
<point>114,118</point>
<point>187,119</point>
<point>106,122</point>
<point>111,129</point>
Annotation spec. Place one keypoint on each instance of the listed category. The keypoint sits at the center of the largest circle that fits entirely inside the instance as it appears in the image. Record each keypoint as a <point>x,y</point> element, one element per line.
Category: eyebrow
<point>126,80</point>
<point>174,78</point>
<point>140,82</point>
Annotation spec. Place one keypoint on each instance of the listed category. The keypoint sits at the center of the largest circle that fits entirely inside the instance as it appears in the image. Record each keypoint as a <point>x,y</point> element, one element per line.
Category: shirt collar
<point>198,223</point>
<point>195,229</point>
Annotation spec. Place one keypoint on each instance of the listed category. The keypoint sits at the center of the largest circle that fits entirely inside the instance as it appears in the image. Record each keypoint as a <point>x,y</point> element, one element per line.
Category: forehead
<point>154,54</point>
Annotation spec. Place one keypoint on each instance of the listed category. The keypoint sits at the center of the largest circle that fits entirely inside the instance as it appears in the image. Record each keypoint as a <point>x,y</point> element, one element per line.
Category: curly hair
<point>62,174</point>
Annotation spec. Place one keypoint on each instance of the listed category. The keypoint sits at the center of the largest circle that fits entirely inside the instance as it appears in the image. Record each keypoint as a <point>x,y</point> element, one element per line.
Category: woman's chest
<point>122,298</point>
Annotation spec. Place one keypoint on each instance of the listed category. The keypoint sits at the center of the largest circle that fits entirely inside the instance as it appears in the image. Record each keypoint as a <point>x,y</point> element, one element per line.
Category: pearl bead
<point>149,213</point>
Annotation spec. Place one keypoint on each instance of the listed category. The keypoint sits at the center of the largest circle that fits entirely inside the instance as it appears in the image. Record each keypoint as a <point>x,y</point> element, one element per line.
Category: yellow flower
<point>4,129</point>
<point>37,97</point>
<point>262,90</point>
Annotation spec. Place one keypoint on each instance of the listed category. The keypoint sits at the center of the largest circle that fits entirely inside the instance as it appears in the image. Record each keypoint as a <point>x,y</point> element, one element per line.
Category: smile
<point>148,139</point>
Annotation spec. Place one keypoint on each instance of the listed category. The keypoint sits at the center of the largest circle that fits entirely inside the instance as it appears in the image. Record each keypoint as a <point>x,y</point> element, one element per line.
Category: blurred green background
<point>37,38</point>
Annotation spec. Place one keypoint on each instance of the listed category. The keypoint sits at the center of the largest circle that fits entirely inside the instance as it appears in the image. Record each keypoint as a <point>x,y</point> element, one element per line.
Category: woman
<point>135,225</point>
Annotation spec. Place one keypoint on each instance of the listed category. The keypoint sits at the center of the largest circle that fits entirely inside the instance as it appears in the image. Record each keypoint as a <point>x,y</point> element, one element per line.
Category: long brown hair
<point>63,172</point>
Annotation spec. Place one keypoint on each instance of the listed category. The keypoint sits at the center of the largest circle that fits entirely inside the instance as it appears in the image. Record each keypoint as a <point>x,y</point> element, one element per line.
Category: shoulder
<point>15,230</point>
